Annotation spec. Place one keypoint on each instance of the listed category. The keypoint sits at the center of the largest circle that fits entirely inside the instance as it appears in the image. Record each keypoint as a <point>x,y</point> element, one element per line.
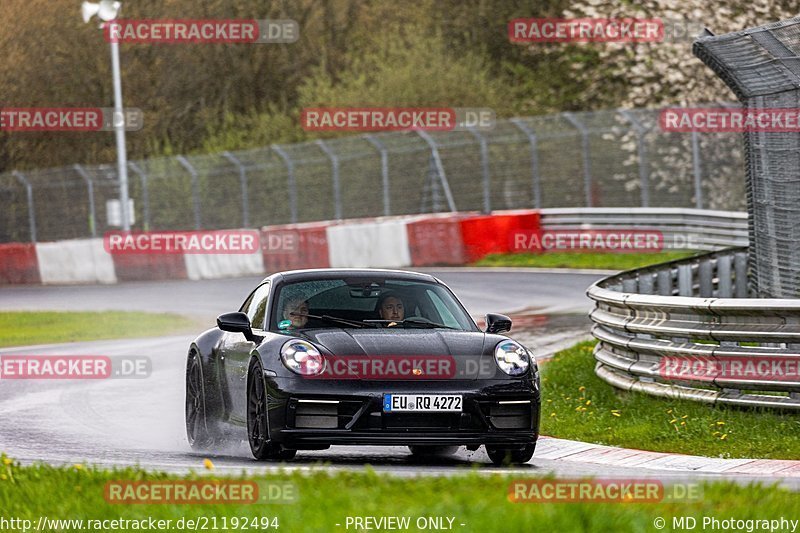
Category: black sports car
<point>361,357</point>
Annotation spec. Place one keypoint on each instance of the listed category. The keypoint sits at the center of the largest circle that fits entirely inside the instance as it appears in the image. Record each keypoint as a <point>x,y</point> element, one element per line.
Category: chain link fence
<point>762,67</point>
<point>614,158</point>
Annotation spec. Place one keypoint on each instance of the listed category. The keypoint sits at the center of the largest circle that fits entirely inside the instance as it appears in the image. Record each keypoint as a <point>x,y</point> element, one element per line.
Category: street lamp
<point>107,10</point>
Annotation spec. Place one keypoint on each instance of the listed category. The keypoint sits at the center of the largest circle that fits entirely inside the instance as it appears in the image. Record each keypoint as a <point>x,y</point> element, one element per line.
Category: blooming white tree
<point>667,73</point>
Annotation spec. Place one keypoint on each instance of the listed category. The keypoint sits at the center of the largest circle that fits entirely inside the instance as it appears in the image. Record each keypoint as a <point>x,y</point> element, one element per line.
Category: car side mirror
<point>235,323</point>
<point>497,323</point>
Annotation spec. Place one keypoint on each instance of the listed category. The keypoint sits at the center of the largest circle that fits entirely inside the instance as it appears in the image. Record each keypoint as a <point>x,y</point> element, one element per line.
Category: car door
<point>236,350</point>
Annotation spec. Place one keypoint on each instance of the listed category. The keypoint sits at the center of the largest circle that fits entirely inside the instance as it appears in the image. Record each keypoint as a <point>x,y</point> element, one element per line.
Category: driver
<point>390,307</point>
<point>296,309</point>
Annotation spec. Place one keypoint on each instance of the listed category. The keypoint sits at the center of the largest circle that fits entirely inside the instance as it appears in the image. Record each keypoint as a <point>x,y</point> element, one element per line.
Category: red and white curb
<point>550,448</point>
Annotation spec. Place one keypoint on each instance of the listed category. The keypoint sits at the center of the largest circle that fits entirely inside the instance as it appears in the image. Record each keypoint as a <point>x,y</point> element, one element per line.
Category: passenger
<point>390,307</point>
<point>296,309</point>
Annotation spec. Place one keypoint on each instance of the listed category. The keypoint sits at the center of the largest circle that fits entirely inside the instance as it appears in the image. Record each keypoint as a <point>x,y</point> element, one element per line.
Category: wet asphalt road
<point>118,422</point>
<point>480,291</point>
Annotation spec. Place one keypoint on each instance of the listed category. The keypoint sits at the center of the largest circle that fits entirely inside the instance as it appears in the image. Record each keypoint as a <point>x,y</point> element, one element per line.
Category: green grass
<point>578,405</point>
<point>580,260</point>
<point>28,328</point>
<point>324,500</point>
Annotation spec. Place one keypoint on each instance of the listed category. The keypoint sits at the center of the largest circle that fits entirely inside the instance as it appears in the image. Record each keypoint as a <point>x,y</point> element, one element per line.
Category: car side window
<point>257,306</point>
<point>246,305</point>
<point>445,315</point>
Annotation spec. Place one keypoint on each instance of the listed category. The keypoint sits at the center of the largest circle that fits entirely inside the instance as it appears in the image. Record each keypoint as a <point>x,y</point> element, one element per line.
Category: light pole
<point>107,10</point>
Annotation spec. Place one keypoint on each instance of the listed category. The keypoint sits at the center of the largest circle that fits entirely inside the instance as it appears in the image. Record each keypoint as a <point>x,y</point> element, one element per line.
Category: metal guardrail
<point>693,309</point>
<point>693,229</point>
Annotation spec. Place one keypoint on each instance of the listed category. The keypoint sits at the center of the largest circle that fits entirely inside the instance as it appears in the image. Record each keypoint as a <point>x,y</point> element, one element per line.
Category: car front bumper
<point>308,413</point>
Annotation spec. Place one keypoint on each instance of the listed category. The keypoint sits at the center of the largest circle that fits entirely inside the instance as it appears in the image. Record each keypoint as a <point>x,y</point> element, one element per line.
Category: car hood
<point>466,348</point>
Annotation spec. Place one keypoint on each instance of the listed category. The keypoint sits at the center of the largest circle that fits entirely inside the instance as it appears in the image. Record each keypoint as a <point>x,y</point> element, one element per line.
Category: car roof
<point>329,273</point>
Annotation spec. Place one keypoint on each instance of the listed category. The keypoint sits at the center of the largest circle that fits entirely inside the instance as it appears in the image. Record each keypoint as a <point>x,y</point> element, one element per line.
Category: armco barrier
<point>436,240</point>
<point>696,312</point>
<point>395,242</point>
<point>491,234</point>
<point>18,264</point>
<point>149,267</point>
<point>295,246</point>
<point>382,244</point>
<point>77,261</point>
<point>215,266</point>
<point>694,229</point>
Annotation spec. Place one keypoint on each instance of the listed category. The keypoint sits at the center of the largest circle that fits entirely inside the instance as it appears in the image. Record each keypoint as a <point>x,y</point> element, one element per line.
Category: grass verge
<point>605,261</point>
<point>578,405</point>
<point>324,501</point>
<point>26,328</point>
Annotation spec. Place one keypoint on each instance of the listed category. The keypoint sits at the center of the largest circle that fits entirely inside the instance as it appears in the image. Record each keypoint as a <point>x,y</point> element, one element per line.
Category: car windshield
<point>371,302</point>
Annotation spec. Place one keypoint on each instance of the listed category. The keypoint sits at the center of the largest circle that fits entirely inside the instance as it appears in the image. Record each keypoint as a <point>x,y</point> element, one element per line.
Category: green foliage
<point>255,130</point>
<point>203,98</point>
<point>403,68</point>
<point>409,68</point>
<point>480,502</point>
<point>21,328</point>
<point>581,260</point>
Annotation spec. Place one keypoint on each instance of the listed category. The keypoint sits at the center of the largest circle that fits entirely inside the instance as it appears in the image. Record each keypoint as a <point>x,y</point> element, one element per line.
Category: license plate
<point>404,403</point>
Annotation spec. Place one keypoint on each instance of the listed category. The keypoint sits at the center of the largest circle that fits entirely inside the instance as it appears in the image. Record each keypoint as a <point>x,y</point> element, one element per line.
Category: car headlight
<point>302,358</point>
<point>512,358</point>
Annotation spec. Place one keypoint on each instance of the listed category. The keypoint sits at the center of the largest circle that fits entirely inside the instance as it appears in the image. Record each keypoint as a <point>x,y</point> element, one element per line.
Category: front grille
<point>316,415</point>
<point>321,415</point>
<point>510,416</point>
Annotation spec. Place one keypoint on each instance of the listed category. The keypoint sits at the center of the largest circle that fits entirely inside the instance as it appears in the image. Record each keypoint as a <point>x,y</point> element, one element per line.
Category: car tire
<point>200,434</point>
<point>257,424</point>
<point>433,451</point>
<point>510,456</point>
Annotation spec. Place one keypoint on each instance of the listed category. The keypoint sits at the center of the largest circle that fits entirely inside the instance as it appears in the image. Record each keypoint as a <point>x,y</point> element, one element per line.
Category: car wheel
<point>433,451</point>
<point>257,423</point>
<point>198,434</point>
<point>512,456</point>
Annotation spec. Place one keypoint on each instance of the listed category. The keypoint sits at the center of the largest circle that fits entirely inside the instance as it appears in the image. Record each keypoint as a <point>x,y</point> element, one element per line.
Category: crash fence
<point>696,314</point>
<point>613,158</point>
<point>680,228</point>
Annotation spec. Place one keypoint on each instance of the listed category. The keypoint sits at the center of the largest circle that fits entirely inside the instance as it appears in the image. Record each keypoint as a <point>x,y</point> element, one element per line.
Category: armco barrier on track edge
<point>448,239</point>
<point>295,246</point>
<point>436,240</point>
<point>490,234</point>
<point>18,264</point>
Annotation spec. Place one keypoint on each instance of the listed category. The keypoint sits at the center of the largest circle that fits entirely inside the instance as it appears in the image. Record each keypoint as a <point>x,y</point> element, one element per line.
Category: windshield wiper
<point>419,322</point>
<point>328,318</point>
